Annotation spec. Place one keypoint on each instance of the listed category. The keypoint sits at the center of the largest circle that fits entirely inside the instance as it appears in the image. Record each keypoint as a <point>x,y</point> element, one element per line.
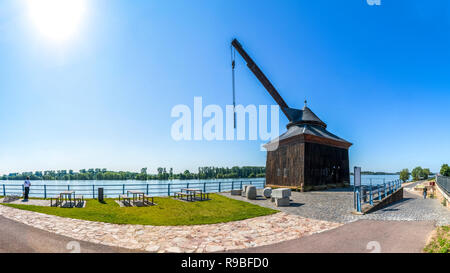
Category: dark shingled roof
<point>304,116</point>
<point>306,122</point>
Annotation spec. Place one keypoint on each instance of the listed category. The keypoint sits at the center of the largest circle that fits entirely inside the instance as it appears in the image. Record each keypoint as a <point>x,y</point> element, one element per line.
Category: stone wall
<point>443,198</point>
<point>396,196</point>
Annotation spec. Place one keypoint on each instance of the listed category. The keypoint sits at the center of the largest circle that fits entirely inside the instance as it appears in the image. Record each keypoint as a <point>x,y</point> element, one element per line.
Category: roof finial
<point>306,102</point>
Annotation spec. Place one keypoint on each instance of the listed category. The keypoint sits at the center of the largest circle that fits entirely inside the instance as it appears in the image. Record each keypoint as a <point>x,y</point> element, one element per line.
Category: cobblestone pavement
<point>337,205</point>
<point>252,232</point>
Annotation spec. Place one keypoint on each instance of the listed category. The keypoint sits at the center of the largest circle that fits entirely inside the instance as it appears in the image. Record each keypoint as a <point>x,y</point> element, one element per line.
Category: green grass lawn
<point>168,211</point>
<point>440,243</point>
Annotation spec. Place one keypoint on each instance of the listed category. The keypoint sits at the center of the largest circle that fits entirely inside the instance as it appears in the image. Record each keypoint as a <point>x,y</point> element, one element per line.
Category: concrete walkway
<point>16,237</point>
<point>362,236</point>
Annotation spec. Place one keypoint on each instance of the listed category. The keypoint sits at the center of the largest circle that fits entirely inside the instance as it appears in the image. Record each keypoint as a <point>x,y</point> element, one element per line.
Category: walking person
<point>26,189</point>
<point>425,192</point>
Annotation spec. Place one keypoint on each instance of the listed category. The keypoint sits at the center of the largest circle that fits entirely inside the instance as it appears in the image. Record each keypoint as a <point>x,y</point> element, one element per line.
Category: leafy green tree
<point>426,173</point>
<point>445,170</point>
<point>417,173</point>
<point>404,175</point>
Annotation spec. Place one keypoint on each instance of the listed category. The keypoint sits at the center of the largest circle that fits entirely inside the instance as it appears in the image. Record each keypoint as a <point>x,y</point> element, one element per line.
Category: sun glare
<point>57,20</point>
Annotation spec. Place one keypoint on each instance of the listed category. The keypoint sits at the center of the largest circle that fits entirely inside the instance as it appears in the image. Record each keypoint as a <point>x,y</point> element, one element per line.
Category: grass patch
<point>168,212</point>
<point>440,243</point>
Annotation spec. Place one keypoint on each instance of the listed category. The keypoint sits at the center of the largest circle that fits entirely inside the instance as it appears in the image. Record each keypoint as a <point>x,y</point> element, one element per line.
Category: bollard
<point>45,191</point>
<point>100,194</point>
<point>123,188</point>
<point>219,187</point>
<point>168,189</point>
<point>93,192</point>
<point>4,190</point>
<point>358,202</point>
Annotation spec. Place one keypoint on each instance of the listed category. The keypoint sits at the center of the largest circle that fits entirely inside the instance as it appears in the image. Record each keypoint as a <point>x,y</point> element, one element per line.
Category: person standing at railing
<point>425,192</point>
<point>26,189</point>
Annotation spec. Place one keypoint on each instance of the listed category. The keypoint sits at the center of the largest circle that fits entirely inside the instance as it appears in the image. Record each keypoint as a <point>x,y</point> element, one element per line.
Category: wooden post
<point>219,186</point>
<point>45,191</point>
<point>168,189</point>
<point>204,186</point>
<point>123,188</point>
<point>4,190</point>
<point>93,191</point>
<point>147,189</point>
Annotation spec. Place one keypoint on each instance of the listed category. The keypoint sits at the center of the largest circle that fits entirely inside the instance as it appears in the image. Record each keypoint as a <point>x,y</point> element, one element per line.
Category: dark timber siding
<point>307,164</point>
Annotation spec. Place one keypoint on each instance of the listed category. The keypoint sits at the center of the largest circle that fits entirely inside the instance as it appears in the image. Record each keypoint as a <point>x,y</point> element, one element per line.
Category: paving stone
<point>256,231</point>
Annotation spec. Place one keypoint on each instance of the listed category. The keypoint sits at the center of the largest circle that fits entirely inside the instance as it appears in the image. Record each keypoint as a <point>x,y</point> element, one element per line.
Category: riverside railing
<point>369,193</point>
<point>114,190</point>
<point>444,183</point>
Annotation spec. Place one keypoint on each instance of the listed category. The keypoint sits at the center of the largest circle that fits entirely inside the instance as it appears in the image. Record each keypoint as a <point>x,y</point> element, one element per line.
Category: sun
<point>57,20</point>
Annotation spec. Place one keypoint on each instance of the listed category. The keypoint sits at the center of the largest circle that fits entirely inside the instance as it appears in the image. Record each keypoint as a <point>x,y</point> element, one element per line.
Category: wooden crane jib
<point>262,78</point>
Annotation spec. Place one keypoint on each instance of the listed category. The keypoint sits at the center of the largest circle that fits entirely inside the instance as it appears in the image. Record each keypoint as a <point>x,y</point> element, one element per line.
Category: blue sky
<point>377,75</point>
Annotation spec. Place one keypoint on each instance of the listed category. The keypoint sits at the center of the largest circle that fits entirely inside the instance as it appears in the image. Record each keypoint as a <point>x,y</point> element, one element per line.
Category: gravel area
<point>337,205</point>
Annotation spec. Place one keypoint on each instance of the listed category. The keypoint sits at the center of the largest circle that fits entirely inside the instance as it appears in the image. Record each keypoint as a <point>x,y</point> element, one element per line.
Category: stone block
<point>267,192</point>
<point>282,202</point>
<point>236,192</point>
<point>250,193</point>
<point>281,193</point>
<point>244,189</point>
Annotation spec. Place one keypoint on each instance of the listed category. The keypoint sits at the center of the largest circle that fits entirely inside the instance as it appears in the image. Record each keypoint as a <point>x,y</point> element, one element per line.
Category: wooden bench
<point>125,198</point>
<point>146,199</point>
<point>57,199</point>
<point>205,196</point>
<point>78,199</point>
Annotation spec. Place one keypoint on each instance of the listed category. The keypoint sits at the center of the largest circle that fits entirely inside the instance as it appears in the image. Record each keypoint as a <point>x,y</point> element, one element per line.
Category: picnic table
<point>136,195</point>
<point>190,193</point>
<point>67,195</point>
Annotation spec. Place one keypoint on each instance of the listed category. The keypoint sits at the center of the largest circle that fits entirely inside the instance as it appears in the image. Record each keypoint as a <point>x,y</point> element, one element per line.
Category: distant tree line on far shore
<point>162,174</point>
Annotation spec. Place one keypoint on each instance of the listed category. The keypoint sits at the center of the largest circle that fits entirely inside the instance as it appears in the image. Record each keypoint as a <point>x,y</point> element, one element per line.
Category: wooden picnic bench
<point>125,198</point>
<point>57,199</point>
<point>78,199</point>
<point>146,199</point>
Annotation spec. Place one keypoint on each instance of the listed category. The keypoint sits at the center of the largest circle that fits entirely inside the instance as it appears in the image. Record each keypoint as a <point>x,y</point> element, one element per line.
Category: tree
<point>445,170</point>
<point>417,173</point>
<point>426,173</point>
<point>404,175</point>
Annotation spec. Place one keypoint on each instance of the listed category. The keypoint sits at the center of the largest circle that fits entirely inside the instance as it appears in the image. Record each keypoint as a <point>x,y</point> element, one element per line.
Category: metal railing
<point>369,193</point>
<point>114,190</point>
<point>444,183</point>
